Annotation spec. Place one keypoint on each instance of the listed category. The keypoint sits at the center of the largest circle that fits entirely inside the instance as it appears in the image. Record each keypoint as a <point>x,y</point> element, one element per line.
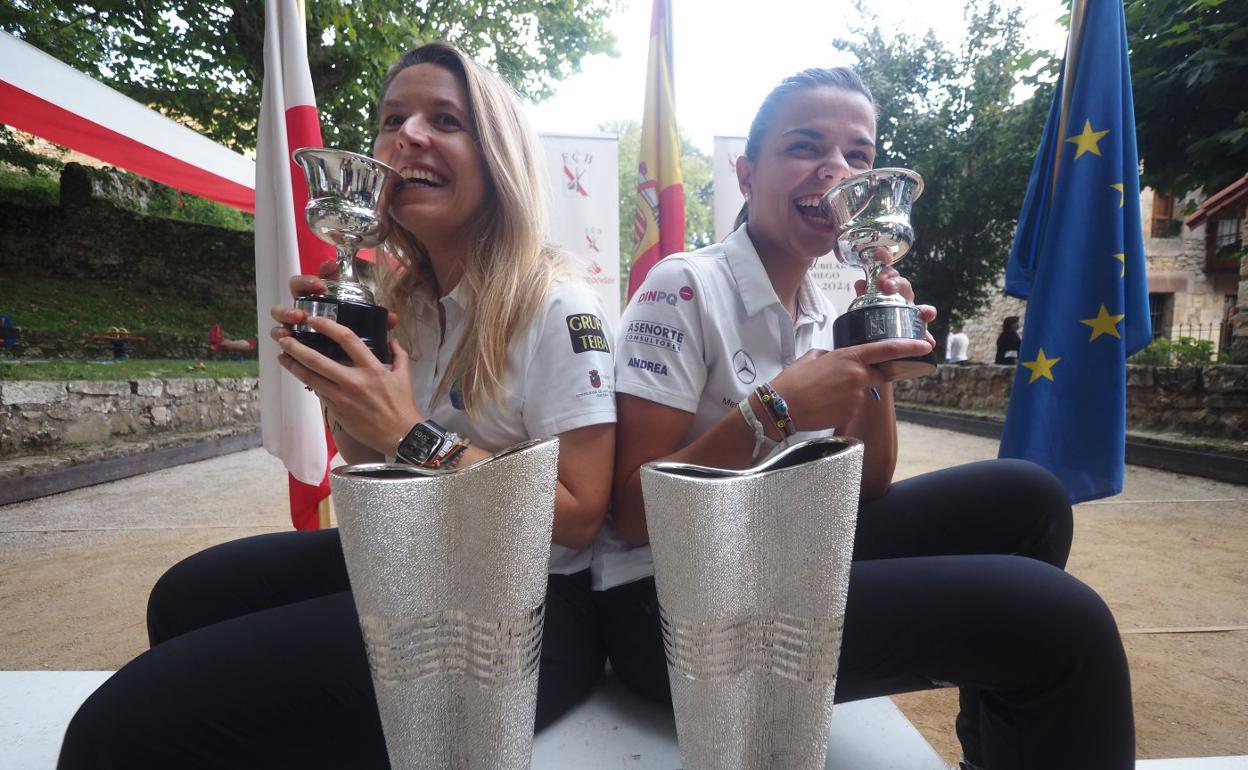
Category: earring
<point>747,196</point>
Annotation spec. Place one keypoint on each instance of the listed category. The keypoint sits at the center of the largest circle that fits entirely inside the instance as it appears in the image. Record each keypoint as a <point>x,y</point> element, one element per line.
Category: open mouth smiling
<point>421,177</point>
<point>811,209</point>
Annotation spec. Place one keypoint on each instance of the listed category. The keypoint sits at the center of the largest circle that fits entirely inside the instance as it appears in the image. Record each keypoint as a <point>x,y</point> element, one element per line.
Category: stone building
<point>1222,218</point>
<point>1195,274</point>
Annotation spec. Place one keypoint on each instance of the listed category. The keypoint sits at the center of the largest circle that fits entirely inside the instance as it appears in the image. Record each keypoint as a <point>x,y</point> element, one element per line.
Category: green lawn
<point>43,303</point>
<point>29,189</point>
<point>134,369</point>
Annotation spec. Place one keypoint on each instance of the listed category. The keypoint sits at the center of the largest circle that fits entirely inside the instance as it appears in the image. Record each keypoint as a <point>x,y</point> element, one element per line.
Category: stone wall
<point>1176,266</point>
<point>38,417</point>
<point>94,239</point>
<point>982,330</point>
<point>1201,401</point>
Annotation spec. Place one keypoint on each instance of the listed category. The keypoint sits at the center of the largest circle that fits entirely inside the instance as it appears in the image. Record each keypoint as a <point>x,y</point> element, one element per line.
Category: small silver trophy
<point>872,212</point>
<point>348,204</point>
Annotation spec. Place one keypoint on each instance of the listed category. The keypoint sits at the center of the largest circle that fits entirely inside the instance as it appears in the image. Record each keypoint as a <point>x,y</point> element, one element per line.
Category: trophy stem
<point>346,264</point>
<point>872,269</point>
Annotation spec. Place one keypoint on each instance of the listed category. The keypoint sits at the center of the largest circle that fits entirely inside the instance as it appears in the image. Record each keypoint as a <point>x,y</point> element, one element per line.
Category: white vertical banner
<point>726,198</point>
<point>583,172</point>
<point>834,279</point>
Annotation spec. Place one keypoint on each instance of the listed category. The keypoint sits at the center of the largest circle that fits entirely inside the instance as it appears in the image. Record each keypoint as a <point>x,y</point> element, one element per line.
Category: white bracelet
<point>761,439</point>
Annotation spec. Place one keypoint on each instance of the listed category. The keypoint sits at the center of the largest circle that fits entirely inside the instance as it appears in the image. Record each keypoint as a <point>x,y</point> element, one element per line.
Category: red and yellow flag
<point>659,212</point>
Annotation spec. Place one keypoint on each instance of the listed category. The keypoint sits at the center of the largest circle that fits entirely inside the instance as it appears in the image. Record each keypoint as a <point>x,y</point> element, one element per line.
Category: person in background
<point>957,346</point>
<point>1008,341</point>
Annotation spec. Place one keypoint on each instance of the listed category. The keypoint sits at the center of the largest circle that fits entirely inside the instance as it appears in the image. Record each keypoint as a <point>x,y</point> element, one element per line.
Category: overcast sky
<point>751,44</point>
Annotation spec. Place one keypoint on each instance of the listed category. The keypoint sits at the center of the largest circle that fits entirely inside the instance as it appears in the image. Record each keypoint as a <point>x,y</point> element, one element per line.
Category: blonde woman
<point>257,658</point>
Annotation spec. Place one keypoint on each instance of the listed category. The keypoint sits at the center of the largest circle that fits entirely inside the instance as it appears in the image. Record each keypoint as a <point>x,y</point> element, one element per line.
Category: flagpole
<point>1077,15</point>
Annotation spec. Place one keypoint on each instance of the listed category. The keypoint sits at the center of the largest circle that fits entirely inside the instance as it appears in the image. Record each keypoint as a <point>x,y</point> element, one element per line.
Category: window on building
<point>1163,216</point>
<point>1227,232</point>
<point>1226,239</point>
<point>1161,311</point>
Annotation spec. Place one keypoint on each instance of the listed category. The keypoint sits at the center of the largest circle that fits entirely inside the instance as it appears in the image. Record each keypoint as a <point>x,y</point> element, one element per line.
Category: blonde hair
<point>509,266</point>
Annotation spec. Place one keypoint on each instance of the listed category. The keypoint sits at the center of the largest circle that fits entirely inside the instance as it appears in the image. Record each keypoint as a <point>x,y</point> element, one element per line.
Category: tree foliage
<point>202,62</point>
<point>955,118</point>
<point>695,167</point>
<point>1189,61</point>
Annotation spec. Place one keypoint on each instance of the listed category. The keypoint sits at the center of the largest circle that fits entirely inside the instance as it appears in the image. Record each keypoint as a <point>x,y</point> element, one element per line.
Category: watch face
<point>421,443</point>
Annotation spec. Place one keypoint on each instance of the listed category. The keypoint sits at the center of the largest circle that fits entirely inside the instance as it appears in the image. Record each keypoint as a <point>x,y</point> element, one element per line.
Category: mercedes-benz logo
<point>743,365</point>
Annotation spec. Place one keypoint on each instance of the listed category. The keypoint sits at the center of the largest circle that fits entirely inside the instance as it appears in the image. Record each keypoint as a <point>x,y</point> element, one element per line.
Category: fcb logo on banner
<point>582,189</point>
<point>576,166</point>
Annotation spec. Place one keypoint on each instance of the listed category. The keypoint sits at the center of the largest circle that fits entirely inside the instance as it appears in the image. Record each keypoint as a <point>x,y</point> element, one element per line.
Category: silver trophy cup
<point>348,204</point>
<point>752,570</point>
<point>872,212</point>
<point>448,569</point>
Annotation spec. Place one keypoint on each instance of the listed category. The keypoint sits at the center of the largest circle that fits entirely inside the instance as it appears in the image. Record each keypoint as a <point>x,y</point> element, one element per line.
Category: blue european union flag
<point>1078,259</point>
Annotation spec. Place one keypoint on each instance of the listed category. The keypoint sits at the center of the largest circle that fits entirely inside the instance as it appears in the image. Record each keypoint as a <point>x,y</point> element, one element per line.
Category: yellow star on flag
<point>1086,141</point>
<point>1041,367</point>
<point>1104,323</point>
<point>1122,194</point>
<point>1123,259</point>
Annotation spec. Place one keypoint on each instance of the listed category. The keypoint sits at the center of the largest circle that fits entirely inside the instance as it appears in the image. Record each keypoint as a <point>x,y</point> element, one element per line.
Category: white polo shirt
<point>559,377</point>
<point>701,333</point>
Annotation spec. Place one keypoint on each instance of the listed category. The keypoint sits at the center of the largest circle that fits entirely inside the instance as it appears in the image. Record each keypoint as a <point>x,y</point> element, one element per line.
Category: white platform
<point>614,729</point>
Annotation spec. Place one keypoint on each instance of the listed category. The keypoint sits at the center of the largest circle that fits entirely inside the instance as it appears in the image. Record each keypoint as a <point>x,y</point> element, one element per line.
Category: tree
<point>954,117</point>
<point>695,167</point>
<point>1189,61</point>
<point>202,62</point>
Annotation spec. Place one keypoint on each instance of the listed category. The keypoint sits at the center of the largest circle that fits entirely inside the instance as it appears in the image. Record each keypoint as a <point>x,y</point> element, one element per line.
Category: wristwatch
<point>423,443</point>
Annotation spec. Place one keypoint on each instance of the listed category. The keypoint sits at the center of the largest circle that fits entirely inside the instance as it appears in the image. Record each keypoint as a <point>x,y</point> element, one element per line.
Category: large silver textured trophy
<point>872,212</point>
<point>448,571</point>
<point>348,203</point>
<point>752,570</point>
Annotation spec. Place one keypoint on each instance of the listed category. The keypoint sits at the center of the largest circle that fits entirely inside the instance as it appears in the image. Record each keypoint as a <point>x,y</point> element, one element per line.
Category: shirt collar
<point>810,301</point>
<point>755,287</point>
<point>747,270</point>
<point>456,296</point>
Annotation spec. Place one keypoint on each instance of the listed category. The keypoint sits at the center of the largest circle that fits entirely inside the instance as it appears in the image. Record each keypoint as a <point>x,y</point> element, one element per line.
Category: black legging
<point>940,592</point>
<point>257,661</point>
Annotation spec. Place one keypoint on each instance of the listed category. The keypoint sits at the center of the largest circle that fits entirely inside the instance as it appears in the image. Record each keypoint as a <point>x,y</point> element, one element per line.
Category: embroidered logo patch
<point>585,329</point>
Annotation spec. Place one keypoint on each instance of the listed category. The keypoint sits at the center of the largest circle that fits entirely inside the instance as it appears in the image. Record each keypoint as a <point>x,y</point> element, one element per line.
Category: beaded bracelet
<point>456,454</point>
<point>761,439</point>
<point>777,406</point>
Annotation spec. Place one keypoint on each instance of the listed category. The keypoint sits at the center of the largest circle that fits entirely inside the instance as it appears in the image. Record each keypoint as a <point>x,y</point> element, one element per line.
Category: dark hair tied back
<point>843,78</point>
<point>834,77</point>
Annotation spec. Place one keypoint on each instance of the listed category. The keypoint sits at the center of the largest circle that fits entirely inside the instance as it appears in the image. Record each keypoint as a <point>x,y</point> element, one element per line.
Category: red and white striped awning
<point>44,97</point>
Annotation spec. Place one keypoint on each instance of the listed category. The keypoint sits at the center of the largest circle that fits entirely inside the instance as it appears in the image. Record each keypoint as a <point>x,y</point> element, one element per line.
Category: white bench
<point>613,729</point>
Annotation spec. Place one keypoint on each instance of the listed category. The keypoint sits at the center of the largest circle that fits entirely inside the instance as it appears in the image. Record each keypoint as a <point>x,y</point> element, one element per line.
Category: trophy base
<point>883,322</point>
<point>367,321</point>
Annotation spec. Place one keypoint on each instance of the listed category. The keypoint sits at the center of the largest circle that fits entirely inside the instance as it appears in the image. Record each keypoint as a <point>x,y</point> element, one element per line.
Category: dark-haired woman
<point>257,659</point>
<point>957,576</point>
<point>1008,341</point>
